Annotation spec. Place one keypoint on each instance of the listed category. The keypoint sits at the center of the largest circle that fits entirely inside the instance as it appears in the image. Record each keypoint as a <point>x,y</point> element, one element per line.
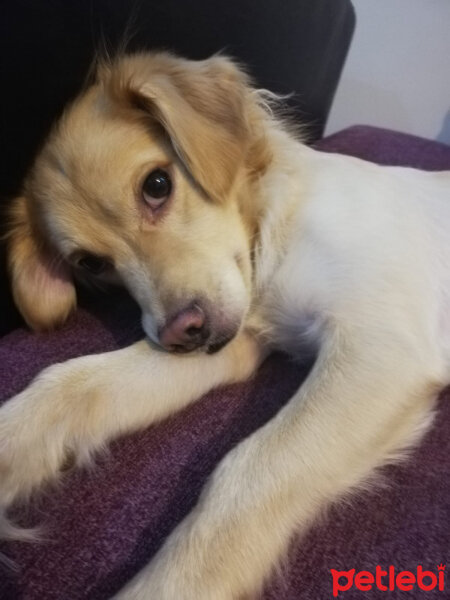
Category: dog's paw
<point>34,435</point>
<point>19,465</point>
<point>23,451</point>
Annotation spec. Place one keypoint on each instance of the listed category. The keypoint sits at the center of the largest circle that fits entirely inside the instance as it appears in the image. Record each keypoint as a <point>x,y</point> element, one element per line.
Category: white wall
<point>397,73</point>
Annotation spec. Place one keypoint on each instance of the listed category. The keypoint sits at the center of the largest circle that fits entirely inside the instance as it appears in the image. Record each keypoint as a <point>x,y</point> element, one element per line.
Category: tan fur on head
<point>41,282</point>
<point>201,121</point>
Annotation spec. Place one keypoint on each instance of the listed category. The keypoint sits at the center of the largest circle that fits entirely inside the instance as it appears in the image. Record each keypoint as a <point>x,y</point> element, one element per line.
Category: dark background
<point>47,47</point>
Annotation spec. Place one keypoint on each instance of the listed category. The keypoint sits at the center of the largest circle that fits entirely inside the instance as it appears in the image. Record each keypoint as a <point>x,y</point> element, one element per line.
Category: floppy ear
<point>41,283</point>
<point>202,105</point>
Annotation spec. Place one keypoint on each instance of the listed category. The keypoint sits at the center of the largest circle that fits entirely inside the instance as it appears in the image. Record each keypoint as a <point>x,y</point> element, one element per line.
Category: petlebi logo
<point>387,580</point>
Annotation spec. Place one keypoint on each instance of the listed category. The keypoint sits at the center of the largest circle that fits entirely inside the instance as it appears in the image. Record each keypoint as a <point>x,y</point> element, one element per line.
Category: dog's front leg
<point>361,404</point>
<point>74,408</point>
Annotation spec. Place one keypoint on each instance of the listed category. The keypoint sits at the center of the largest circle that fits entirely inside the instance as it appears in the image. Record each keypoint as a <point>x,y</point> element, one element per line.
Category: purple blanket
<point>103,524</point>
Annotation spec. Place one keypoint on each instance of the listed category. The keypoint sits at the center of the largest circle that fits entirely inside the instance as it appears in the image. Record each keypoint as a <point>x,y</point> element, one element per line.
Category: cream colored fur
<point>302,249</point>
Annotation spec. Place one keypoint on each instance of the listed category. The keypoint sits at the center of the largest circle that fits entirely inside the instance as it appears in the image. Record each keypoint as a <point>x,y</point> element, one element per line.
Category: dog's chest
<point>291,310</point>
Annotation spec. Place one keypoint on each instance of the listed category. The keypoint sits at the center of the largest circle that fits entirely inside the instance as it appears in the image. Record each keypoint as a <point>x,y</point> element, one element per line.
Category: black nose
<point>186,331</point>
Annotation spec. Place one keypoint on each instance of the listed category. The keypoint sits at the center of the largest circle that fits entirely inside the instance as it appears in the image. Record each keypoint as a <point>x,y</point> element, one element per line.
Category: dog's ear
<point>202,105</point>
<point>41,282</point>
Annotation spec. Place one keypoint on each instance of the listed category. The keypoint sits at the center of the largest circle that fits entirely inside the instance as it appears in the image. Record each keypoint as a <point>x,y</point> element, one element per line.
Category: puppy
<point>174,178</point>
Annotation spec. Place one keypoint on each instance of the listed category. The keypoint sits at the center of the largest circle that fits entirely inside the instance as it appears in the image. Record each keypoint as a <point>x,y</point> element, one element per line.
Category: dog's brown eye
<point>156,188</point>
<point>93,264</point>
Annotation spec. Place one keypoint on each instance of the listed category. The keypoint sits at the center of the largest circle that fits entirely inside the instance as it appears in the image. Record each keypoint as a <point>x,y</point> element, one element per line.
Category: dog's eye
<point>93,264</point>
<point>156,188</point>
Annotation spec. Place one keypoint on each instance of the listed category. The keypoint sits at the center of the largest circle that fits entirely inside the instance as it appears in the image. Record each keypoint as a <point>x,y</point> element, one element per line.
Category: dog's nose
<point>186,331</point>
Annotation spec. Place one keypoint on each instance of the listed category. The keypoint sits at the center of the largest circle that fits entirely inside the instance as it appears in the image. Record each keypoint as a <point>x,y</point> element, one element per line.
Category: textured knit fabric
<point>105,523</point>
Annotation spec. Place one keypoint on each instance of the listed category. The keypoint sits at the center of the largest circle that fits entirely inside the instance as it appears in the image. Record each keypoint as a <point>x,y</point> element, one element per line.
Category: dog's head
<point>144,181</point>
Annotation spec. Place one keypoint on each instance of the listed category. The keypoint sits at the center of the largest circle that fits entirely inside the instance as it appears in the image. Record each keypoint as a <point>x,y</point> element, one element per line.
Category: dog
<point>177,180</point>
